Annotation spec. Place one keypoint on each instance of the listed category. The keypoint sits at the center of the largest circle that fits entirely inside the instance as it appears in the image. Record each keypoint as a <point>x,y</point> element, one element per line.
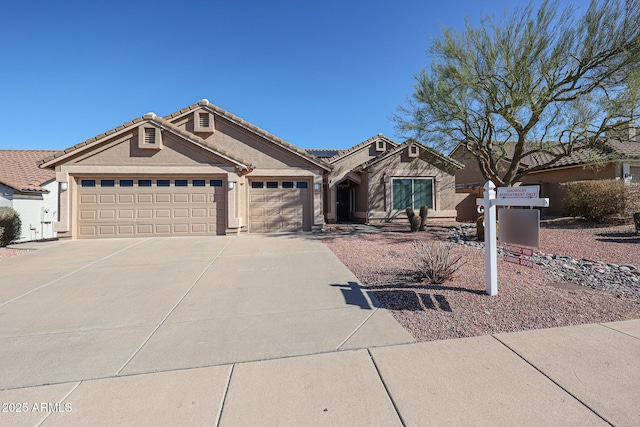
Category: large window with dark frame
<point>411,192</point>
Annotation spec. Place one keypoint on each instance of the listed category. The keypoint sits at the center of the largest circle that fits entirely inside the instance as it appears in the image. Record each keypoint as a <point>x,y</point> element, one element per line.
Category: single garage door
<point>279,206</point>
<point>136,207</point>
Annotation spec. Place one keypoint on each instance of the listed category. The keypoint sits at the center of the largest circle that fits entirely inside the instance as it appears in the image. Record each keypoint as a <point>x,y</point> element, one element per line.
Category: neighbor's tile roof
<point>342,153</point>
<point>19,170</point>
<point>253,128</point>
<point>163,123</point>
<point>323,153</point>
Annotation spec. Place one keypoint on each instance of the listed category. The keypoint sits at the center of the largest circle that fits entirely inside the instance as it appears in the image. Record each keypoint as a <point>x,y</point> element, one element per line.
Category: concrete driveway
<point>86,309</point>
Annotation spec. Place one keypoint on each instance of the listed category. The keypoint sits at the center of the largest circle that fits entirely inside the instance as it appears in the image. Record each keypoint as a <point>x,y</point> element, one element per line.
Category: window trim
<point>143,144</point>
<point>413,178</point>
<point>197,127</point>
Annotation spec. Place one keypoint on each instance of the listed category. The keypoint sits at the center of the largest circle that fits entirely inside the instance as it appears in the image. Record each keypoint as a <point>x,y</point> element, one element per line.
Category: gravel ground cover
<point>8,253</point>
<point>528,298</point>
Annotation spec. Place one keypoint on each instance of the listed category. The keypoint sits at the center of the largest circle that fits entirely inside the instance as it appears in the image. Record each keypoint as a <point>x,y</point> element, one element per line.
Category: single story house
<point>205,171</point>
<point>31,191</point>
<point>622,162</point>
<point>376,180</point>
<point>198,171</point>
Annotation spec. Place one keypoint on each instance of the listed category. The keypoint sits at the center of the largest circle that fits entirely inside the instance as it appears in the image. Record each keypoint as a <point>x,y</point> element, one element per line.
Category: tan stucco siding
<point>341,169</point>
<point>124,150</point>
<point>246,145</point>
<point>550,181</point>
<point>381,174</point>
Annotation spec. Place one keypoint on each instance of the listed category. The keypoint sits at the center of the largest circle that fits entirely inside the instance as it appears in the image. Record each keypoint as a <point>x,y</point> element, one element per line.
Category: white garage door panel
<point>114,211</point>
<point>279,206</point>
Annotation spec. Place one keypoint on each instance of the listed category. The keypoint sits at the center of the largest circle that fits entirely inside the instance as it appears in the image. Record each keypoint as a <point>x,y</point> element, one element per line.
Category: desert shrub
<point>433,261</point>
<point>10,225</point>
<point>633,199</point>
<point>595,200</point>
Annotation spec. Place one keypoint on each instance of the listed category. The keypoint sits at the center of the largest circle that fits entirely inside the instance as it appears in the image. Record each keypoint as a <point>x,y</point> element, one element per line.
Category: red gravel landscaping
<point>528,298</point>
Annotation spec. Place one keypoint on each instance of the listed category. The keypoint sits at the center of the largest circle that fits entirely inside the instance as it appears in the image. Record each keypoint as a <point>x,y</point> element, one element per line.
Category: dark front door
<point>344,202</point>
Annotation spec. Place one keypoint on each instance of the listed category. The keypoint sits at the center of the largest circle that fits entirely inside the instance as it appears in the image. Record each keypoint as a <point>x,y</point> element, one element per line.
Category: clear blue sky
<point>317,74</point>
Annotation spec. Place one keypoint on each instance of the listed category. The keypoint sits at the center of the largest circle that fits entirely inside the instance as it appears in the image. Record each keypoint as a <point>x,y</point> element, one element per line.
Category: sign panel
<point>526,262</point>
<point>519,227</point>
<point>517,250</point>
<point>526,192</point>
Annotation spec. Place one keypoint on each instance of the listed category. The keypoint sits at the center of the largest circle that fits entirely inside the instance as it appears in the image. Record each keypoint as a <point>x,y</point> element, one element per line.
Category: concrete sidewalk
<point>579,375</point>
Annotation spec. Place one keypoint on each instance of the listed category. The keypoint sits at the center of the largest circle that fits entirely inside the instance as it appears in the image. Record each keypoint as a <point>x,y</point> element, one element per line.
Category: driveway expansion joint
<point>553,381</point>
<point>195,282</point>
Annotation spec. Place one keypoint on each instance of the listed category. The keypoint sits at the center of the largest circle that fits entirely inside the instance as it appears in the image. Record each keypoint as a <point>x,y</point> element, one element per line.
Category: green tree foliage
<point>537,84</point>
<point>10,225</point>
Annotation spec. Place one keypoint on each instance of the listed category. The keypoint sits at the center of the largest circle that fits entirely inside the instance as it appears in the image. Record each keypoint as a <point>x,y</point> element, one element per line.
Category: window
<point>107,183</point>
<point>163,183</point>
<point>272,184</point>
<point>412,192</point>
<point>215,183</point>
<point>380,146</point>
<point>302,184</point>
<point>181,183</point>
<point>414,151</point>
<point>198,183</point>
<point>144,183</point>
<point>126,183</point>
<point>257,184</point>
<point>287,184</point>
<point>88,183</point>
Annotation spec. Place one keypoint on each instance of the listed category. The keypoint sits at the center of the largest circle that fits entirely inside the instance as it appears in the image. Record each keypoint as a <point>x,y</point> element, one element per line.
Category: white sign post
<point>509,197</point>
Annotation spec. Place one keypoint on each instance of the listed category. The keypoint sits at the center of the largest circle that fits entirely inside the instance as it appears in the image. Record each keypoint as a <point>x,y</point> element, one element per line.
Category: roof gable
<point>150,118</point>
<point>19,170</point>
<point>448,161</point>
<point>263,134</point>
<point>363,145</point>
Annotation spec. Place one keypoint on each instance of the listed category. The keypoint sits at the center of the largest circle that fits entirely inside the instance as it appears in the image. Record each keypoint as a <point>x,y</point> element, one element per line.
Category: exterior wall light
<point>64,186</point>
<point>231,185</point>
<point>316,186</point>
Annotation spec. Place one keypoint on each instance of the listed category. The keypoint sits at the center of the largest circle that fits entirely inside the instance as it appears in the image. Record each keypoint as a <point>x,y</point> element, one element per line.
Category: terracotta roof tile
<point>342,153</point>
<point>19,170</point>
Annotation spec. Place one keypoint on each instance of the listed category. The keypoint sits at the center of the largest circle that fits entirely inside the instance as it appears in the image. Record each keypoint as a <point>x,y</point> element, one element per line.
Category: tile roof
<point>342,153</point>
<point>48,161</point>
<point>253,128</point>
<point>19,170</point>
<point>323,153</point>
<point>408,142</point>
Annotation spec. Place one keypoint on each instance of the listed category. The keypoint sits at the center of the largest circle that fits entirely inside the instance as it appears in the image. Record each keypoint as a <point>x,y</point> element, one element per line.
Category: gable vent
<point>149,136</point>
<point>203,120</point>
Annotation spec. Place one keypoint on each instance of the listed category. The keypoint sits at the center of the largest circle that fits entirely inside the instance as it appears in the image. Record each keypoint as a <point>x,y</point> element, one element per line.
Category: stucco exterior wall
<point>549,182</point>
<point>30,205</point>
<point>400,166</point>
<point>341,171</point>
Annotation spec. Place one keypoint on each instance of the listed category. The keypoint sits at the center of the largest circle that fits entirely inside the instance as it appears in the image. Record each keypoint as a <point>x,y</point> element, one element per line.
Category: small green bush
<point>595,200</point>
<point>433,261</point>
<point>10,225</point>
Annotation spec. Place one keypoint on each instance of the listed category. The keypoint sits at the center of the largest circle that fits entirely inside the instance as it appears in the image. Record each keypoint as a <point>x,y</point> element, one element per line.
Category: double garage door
<point>133,207</point>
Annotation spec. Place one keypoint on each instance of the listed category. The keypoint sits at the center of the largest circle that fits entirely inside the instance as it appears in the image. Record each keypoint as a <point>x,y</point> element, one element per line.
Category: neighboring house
<point>31,191</point>
<point>623,163</point>
<point>376,180</point>
<point>198,171</point>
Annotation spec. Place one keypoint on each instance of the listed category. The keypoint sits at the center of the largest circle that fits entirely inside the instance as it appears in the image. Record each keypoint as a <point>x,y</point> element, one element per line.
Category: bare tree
<point>538,84</point>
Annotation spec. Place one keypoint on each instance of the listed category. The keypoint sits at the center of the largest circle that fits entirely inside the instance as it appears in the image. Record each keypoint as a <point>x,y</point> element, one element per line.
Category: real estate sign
<point>526,192</point>
<point>519,227</point>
